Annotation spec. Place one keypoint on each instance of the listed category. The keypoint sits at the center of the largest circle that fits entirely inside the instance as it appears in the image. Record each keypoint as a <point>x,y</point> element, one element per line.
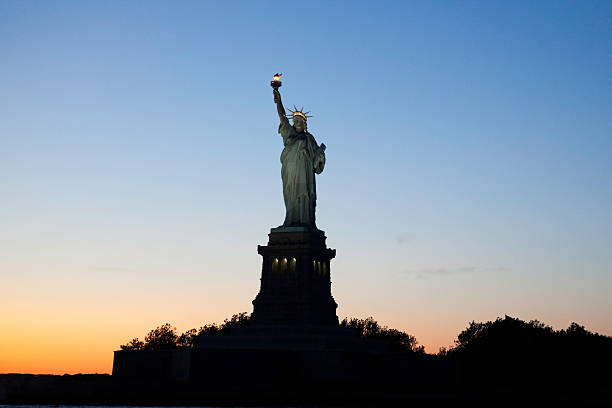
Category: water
<point>113,406</point>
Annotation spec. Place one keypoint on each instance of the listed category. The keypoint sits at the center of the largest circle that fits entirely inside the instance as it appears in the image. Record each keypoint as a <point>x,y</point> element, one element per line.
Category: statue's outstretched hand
<point>276,95</point>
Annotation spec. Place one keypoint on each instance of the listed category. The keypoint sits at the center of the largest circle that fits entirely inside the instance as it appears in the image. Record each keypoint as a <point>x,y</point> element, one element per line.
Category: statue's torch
<point>276,82</point>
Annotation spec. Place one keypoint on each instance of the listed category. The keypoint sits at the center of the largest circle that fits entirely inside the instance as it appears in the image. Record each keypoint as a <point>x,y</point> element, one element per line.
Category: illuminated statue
<point>301,158</point>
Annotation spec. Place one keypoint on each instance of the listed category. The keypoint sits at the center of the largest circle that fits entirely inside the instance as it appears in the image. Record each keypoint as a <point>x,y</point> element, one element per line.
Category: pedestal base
<point>295,280</point>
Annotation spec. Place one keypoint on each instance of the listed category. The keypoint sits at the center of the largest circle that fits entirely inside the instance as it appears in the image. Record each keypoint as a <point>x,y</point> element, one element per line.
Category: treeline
<point>514,335</point>
<point>166,336</point>
<point>505,342</point>
<point>370,329</point>
<point>509,352</point>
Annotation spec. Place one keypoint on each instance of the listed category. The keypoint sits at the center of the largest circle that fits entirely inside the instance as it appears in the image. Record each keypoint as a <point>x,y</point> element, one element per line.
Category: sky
<point>468,168</point>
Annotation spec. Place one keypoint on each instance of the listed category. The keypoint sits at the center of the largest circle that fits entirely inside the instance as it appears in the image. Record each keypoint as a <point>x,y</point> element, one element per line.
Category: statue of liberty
<point>301,158</point>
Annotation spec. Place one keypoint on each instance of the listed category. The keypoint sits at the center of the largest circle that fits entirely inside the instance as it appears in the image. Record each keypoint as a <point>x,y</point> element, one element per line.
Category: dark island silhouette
<point>505,360</point>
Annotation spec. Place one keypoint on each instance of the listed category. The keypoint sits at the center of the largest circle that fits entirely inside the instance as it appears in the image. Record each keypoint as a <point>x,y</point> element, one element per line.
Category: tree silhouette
<point>134,344</point>
<point>510,352</point>
<point>165,336</point>
<point>239,319</point>
<point>162,337</point>
<point>369,328</point>
<point>185,340</point>
<point>211,329</point>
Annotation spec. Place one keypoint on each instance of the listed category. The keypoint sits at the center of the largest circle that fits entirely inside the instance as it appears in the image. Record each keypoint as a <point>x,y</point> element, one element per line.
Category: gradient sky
<point>468,171</point>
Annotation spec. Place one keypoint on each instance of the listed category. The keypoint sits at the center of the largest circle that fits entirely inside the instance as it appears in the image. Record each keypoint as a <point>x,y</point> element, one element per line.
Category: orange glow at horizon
<point>43,341</point>
<point>69,319</point>
<point>56,342</point>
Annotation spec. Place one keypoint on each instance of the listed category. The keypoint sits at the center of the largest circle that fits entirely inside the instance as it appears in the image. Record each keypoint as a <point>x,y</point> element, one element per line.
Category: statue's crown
<point>299,112</point>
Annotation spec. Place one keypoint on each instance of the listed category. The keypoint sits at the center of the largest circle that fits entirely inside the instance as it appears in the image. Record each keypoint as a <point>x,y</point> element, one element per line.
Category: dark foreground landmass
<point>506,360</point>
<point>103,389</point>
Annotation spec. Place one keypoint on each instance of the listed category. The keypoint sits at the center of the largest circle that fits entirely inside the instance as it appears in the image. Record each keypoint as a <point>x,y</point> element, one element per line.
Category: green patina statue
<point>301,158</point>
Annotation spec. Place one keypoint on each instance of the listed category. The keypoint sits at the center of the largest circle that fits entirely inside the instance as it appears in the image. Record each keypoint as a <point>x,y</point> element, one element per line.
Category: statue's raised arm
<point>279,106</point>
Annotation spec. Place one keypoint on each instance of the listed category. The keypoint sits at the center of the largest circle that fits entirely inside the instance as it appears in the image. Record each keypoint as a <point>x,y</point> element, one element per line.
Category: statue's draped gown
<point>300,159</point>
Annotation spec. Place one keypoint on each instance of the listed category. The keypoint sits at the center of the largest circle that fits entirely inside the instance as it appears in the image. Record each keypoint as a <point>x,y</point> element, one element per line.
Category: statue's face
<point>299,124</point>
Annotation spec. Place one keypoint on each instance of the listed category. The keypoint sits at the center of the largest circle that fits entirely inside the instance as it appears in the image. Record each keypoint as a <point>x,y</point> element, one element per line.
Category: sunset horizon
<point>466,148</point>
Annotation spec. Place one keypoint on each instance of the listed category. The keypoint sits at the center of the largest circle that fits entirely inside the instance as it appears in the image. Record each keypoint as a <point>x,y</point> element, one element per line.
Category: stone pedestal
<point>295,280</point>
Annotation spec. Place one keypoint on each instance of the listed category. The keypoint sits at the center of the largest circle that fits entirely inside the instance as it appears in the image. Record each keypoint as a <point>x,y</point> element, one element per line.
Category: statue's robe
<point>300,159</point>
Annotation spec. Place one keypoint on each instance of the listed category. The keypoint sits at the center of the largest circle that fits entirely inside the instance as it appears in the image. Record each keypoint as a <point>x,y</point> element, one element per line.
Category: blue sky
<point>467,176</point>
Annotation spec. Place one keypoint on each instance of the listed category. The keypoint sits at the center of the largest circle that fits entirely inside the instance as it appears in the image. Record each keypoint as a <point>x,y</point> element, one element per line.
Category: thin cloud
<point>400,239</point>
<point>113,269</point>
<point>441,272</point>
